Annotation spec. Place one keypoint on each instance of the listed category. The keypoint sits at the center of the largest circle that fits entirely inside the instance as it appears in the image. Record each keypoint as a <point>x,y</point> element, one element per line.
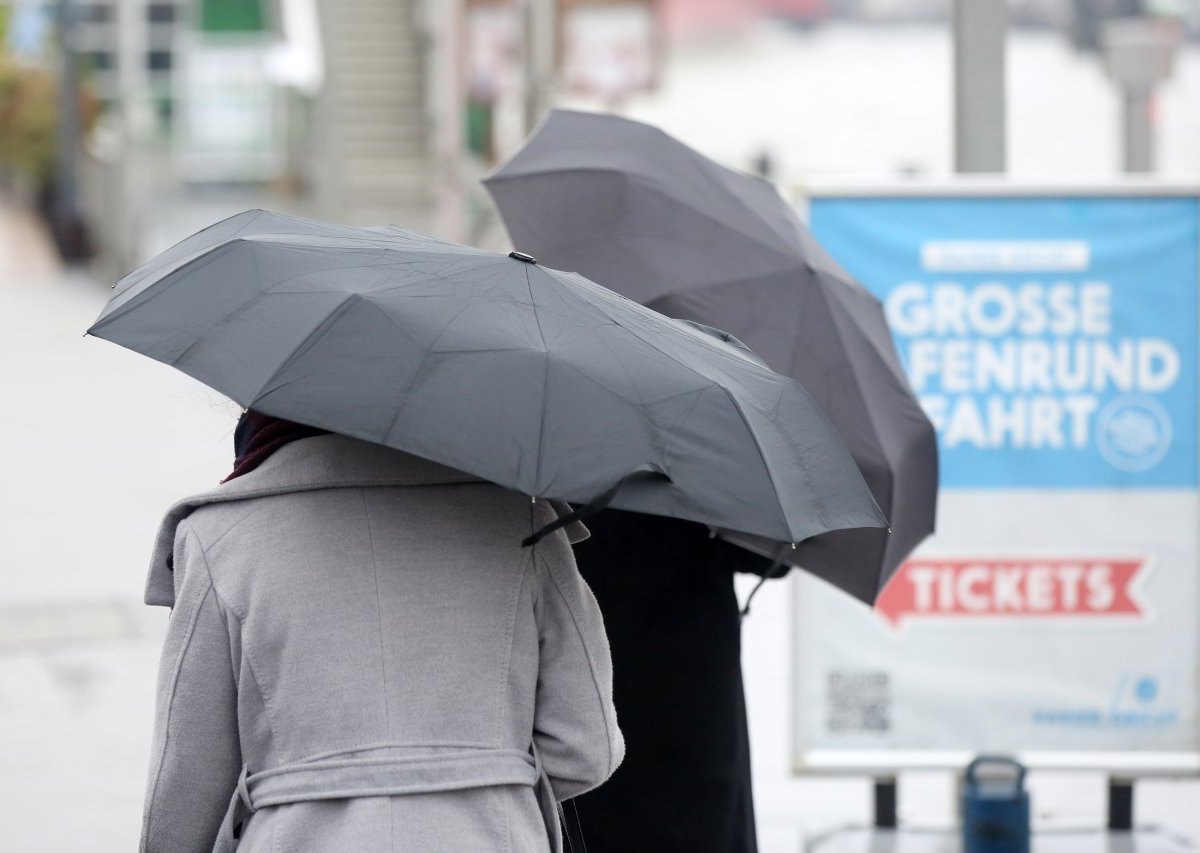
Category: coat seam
<point>387,712</point>
<point>272,728</point>
<point>362,747</point>
<point>251,512</point>
<point>187,641</point>
<point>587,654</point>
<point>223,609</point>
<point>507,828</point>
<point>511,633</point>
<point>503,794</point>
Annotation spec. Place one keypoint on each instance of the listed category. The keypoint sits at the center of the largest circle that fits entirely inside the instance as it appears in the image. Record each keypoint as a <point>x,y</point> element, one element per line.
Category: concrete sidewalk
<point>97,443</point>
<point>26,248</point>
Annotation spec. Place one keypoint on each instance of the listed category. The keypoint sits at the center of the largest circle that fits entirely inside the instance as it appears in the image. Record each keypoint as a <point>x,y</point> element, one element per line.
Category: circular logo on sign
<point>1133,433</point>
<point>1146,690</point>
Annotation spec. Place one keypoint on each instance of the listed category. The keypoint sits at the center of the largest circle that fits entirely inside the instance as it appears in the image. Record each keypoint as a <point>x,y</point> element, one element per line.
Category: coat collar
<point>320,462</point>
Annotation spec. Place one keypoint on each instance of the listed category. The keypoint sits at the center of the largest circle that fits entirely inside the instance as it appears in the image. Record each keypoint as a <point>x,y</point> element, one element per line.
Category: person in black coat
<point>665,587</point>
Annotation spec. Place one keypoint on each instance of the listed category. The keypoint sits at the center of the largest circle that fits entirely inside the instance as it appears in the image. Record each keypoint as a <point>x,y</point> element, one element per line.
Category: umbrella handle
<point>769,574</point>
<point>591,507</point>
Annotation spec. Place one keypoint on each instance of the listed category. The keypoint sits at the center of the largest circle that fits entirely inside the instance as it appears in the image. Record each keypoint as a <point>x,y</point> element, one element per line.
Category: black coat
<point>665,588</point>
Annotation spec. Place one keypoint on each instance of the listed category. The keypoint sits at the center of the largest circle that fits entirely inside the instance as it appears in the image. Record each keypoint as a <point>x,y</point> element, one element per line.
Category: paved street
<point>100,441</point>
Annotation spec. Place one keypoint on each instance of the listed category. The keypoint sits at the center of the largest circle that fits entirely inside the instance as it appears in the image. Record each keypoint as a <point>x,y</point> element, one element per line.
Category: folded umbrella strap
<point>594,506</point>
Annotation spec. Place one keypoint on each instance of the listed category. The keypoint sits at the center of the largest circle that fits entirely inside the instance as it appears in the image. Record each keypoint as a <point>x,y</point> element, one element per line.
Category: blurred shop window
<point>232,16</point>
<point>606,49</point>
<point>493,108</point>
<point>611,49</point>
<point>159,60</point>
<point>162,13</point>
<point>97,60</point>
<point>95,13</point>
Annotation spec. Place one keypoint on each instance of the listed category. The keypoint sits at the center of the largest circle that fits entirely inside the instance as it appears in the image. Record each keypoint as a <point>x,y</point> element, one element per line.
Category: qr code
<point>858,702</point>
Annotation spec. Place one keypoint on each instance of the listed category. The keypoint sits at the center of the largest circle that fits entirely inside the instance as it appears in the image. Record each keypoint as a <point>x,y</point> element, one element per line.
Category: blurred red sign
<point>963,588</point>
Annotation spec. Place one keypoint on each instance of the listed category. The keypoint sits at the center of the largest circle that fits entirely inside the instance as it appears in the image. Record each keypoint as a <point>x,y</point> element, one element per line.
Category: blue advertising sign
<point>1052,341</point>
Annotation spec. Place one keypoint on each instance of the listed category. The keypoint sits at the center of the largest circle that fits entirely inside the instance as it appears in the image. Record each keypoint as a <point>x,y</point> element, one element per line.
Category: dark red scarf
<point>258,436</point>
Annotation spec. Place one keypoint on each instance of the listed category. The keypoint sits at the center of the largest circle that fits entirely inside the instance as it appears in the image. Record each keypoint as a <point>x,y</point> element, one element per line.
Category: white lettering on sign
<point>994,309</point>
<point>1005,255</point>
<point>1026,366</point>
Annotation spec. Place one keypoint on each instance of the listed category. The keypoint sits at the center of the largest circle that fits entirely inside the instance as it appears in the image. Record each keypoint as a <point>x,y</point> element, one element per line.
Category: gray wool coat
<point>361,657</point>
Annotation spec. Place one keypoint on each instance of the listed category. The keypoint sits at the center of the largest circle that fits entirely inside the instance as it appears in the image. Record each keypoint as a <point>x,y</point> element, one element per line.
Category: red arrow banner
<point>1011,587</point>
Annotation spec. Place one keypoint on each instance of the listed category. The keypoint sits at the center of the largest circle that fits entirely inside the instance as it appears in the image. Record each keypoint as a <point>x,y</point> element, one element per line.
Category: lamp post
<point>980,32</point>
<point>132,41</point>
<point>1139,54</point>
<point>539,30</point>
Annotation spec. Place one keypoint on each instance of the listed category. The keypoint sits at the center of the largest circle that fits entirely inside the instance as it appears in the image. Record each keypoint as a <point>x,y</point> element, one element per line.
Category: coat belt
<point>339,777</point>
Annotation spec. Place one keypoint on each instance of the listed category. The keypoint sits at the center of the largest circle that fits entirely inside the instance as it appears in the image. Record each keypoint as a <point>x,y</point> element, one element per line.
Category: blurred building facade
<point>98,35</point>
<point>376,124</point>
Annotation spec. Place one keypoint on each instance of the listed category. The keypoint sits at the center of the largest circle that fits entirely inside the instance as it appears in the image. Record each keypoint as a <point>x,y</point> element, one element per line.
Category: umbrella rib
<point>737,407</point>
<point>263,293</point>
<point>442,276</point>
<point>402,396</point>
<point>537,468</point>
<point>663,190</point>
<point>307,343</point>
<point>892,367</point>
<point>678,362</point>
<point>876,430</point>
<point>753,237</point>
<point>673,436</point>
<point>136,302</point>
<point>186,258</point>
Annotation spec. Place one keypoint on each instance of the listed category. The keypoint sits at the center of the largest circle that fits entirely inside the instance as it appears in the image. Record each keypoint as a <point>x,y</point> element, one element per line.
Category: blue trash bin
<point>995,807</point>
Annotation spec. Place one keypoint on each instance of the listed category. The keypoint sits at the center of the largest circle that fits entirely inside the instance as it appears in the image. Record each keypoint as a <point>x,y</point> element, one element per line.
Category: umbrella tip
<point>521,256</point>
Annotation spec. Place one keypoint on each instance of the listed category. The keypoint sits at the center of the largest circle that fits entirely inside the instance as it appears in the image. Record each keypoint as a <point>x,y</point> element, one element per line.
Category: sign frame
<point>888,762</point>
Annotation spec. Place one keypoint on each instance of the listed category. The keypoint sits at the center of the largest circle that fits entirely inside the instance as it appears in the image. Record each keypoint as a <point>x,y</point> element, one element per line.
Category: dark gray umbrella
<point>538,380</point>
<point>634,209</point>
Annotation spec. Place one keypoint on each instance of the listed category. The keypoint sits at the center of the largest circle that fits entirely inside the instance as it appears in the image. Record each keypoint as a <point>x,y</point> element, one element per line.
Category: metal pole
<point>980,30</point>
<point>448,28</point>
<point>540,33</point>
<point>132,44</point>
<point>1138,131</point>
<point>1139,55</point>
<point>1120,804</point>
<point>65,202</point>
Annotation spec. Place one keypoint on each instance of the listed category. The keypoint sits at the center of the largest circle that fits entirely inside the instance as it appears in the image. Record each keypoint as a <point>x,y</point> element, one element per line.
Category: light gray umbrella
<point>535,379</point>
<point>635,210</point>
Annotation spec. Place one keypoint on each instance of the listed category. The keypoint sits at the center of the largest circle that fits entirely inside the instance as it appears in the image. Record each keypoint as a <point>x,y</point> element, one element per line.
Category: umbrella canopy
<point>636,210</point>
<point>537,380</point>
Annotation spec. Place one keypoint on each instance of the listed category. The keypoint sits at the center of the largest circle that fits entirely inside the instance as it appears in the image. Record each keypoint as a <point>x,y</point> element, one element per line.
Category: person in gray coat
<point>362,657</point>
